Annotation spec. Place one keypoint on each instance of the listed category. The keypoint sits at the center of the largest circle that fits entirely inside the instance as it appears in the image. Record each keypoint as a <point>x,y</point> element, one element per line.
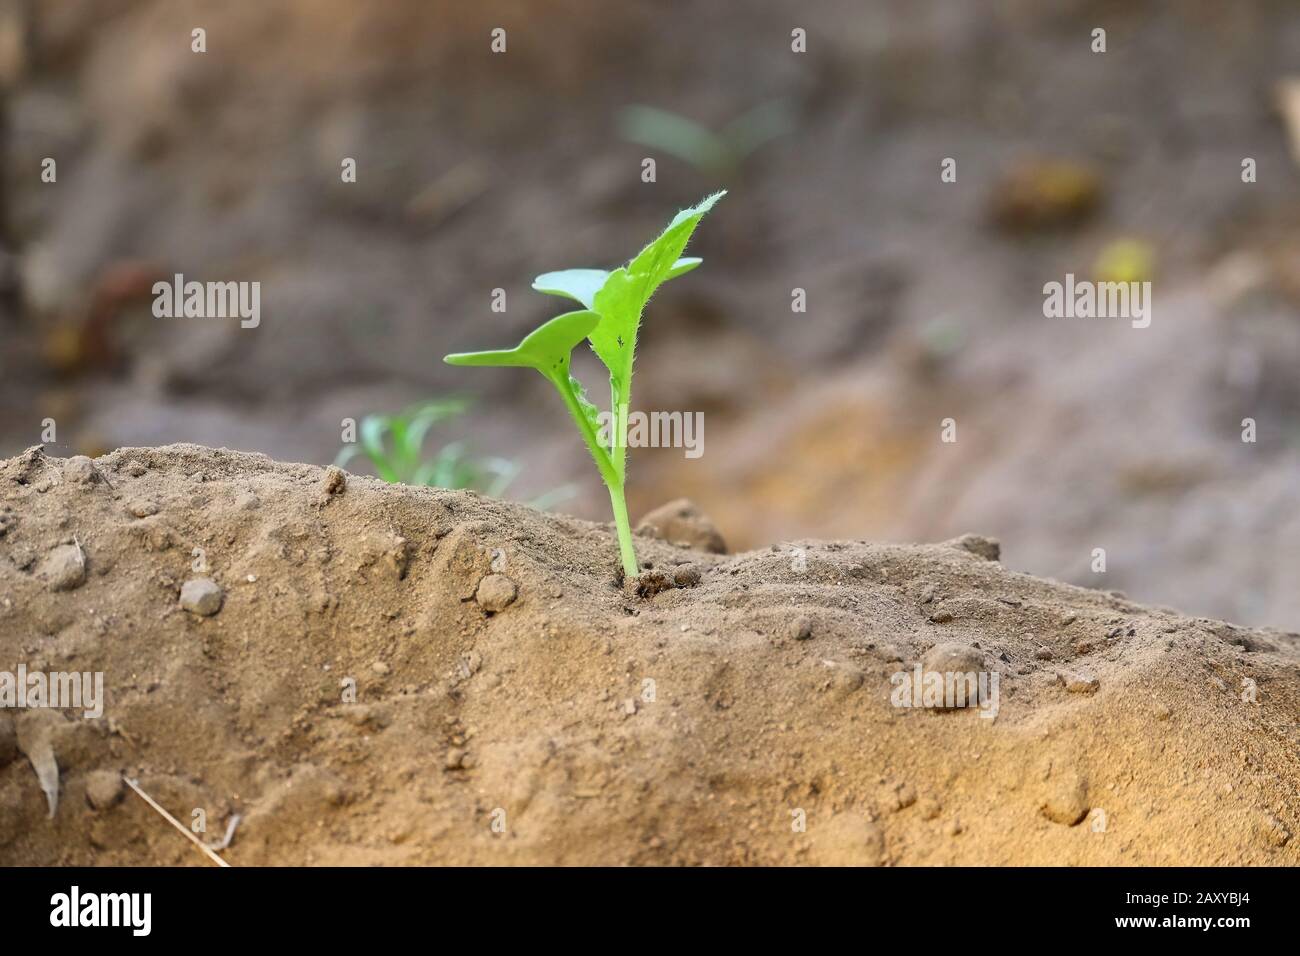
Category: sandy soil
<point>515,704</point>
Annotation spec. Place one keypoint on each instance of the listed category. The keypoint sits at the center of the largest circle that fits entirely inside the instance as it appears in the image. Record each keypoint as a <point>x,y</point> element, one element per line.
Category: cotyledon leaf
<point>546,348</point>
<point>578,284</point>
<point>581,285</point>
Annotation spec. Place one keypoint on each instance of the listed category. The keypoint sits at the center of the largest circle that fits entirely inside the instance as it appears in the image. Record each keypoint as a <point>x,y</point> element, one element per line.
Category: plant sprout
<point>720,153</point>
<point>394,446</point>
<point>610,318</point>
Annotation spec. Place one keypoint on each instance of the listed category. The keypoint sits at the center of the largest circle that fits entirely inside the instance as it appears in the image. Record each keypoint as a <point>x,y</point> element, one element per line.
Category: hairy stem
<point>618,402</point>
<point>624,528</point>
<point>605,465</point>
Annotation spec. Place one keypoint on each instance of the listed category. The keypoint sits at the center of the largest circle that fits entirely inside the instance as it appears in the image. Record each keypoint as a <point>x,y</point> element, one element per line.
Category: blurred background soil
<point>478,171</point>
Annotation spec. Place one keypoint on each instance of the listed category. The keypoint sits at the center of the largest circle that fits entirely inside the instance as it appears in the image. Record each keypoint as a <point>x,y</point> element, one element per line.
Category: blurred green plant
<point>394,446</point>
<point>719,154</point>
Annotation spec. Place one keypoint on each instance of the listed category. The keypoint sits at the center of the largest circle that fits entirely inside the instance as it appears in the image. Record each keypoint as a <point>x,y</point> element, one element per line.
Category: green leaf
<point>546,348</point>
<point>501,473</point>
<point>581,285</point>
<point>578,284</point>
<point>423,417</point>
<point>683,266</point>
<point>548,499</point>
<point>625,293</point>
<point>676,135</point>
<point>373,428</point>
<point>404,457</point>
<point>589,411</point>
<point>448,468</point>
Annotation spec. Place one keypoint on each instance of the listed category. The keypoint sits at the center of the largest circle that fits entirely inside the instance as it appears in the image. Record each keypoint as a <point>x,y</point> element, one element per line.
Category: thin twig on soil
<point>176,823</point>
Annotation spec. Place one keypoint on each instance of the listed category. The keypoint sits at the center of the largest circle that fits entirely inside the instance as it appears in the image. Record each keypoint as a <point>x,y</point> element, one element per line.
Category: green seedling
<point>394,446</point>
<point>610,318</point>
<point>720,154</point>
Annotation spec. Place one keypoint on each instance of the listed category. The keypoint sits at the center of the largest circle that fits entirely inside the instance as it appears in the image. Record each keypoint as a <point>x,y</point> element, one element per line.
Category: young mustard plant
<point>610,318</point>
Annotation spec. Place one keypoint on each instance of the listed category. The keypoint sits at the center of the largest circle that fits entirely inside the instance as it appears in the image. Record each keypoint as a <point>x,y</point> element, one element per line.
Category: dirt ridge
<point>514,704</point>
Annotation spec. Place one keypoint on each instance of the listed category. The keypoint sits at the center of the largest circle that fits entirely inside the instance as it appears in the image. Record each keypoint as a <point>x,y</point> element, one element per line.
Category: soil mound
<point>366,673</point>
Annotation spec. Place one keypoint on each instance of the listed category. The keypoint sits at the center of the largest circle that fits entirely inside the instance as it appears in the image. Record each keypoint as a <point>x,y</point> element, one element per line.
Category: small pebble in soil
<point>682,523</point>
<point>1081,682</point>
<point>495,593</point>
<point>845,679</point>
<point>1273,830</point>
<point>952,658</point>
<point>1066,798</point>
<point>201,596</point>
<point>141,507</point>
<point>686,577</point>
<point>79,470</point>
<point>334,482</point>
<point>104,789</point>
<point>64,568</point>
